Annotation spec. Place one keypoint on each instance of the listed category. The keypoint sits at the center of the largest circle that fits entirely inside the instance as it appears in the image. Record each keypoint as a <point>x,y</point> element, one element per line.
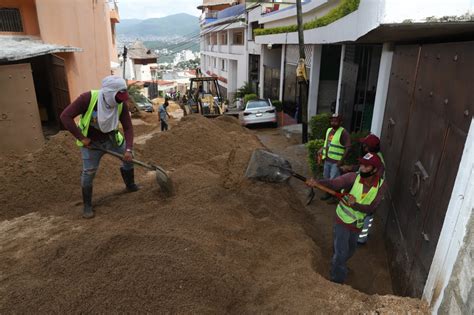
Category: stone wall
<point>459,294</point>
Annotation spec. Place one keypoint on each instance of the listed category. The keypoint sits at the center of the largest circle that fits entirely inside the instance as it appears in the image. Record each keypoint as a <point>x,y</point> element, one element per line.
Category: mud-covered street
<point>221,244</point>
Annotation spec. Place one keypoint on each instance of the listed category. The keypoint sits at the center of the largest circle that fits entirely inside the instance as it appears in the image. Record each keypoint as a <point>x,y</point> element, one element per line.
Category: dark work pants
<point>345,244</point>
<point>164,125</point>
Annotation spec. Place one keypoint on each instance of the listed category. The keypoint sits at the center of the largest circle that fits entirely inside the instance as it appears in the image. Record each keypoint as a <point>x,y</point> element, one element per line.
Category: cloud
<point>145,9</point>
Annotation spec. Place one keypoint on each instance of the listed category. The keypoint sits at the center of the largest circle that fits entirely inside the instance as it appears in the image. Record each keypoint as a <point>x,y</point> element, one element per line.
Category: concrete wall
<point>272,57</point>
<point>288,16</point>
<point>449,288</point>
<point>382,89</point>
<point>84,24</point>
<point>459,294</point>
<point>370,15</point>
<point>28,15</point>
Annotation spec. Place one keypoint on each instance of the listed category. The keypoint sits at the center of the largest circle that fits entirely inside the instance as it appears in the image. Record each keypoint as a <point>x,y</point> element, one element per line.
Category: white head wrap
<point>107,110</point>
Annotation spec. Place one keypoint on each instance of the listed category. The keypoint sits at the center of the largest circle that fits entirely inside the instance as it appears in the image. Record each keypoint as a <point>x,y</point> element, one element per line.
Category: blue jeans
<point>91,160</point>
<point>345,244</point>
<point>331,170</point>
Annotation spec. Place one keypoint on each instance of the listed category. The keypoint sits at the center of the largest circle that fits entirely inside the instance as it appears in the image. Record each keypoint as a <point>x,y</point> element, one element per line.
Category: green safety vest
<point>383,163</point>
<point>381,158</point>
<point>336,149</point>
<point>349,215</point>
<point>85,119</point>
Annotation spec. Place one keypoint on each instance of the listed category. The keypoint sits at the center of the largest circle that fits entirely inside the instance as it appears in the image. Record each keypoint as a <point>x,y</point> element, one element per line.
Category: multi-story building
<point>140,62</point>
<point>50,52</point>
<point>401,69</point>
<point>224,44</point>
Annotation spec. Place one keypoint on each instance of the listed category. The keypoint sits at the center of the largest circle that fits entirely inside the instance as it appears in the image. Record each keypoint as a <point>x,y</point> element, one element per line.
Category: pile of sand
<point>222,244</point>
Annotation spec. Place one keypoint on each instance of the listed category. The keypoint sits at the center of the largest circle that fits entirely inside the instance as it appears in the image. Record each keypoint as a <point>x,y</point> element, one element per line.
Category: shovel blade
<point>164,181</point>
<point>268,167</point>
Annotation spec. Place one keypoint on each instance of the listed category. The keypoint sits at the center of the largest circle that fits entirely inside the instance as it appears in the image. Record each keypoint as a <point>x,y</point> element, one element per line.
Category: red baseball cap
<point>371,141</point>
<point>371,159</point>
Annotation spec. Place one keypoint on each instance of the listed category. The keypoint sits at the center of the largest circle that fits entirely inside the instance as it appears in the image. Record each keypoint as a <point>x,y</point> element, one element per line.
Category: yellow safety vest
<point>348,214</point>
<point>336,149</point>
<point>85,119</point>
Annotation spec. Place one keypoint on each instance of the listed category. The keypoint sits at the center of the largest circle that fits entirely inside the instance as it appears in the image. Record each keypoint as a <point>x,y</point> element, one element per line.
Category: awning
<point>226,26</point>
<point>12,49</point>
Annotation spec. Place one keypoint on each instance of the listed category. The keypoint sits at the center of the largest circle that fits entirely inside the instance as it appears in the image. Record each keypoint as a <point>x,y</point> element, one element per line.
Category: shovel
<point>269,167</point>
<point>162,177</point>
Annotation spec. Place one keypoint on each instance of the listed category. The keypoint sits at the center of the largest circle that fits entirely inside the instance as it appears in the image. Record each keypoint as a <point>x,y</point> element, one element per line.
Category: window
<point>10,20</point>
<point>253,26</point>
<point>214,60</point>
<point>238,38</point>
<point>214,39</point>
<point>224,65</point>
<point>224,38</point>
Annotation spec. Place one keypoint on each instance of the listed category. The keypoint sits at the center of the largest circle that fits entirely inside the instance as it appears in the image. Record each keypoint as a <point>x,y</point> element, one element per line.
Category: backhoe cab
<point>204,97</point>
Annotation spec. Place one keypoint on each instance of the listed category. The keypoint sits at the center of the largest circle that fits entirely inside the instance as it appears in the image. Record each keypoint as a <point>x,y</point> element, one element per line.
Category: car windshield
<point>257,104</point>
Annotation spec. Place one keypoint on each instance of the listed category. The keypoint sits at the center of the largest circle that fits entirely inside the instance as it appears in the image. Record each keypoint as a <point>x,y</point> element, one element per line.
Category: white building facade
<point>225,46</point>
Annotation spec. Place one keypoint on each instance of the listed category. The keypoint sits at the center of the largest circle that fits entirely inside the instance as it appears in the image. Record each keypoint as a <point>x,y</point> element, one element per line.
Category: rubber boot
<point>129,179</point>
<point>87,200</point>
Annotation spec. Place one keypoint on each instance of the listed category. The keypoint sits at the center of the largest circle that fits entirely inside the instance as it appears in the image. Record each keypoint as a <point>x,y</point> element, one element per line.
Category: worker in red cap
<point>366,190</point>
<point>335,150</point>
<point>370,144</point>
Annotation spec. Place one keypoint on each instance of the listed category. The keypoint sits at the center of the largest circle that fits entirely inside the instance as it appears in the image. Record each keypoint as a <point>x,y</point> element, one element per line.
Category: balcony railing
<point>211,14</point>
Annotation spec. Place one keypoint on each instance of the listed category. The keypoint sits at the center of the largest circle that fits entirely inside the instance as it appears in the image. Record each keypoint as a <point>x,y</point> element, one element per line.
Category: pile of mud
<point>196,139</point>
<point>222,244</point>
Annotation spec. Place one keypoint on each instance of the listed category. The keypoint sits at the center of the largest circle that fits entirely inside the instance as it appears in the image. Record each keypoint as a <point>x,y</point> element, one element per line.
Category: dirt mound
<point>222,244</point>
<point>49,176</point>
<point>196,139</point>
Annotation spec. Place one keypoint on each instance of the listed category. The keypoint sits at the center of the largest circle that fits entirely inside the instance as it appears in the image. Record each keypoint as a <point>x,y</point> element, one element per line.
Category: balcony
<point>237,49</point>
<point>211,14</point>
<point>208,17</point>
<point>114,12</point>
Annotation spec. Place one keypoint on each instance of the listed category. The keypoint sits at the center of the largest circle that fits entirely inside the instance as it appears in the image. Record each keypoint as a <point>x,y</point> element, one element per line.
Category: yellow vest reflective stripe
<point>349,215</point>
<point>85,119</point>
<point>336,149</point>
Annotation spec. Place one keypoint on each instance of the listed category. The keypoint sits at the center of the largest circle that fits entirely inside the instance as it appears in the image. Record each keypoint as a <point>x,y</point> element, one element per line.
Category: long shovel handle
<point>315,185</point>
<point>120,156</point>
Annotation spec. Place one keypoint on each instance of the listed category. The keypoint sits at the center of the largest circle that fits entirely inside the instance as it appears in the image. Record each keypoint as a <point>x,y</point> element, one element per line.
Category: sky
<point>145,9</point>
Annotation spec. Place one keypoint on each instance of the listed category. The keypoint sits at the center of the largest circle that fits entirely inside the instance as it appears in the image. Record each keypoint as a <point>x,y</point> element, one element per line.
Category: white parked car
<point>259,112</point>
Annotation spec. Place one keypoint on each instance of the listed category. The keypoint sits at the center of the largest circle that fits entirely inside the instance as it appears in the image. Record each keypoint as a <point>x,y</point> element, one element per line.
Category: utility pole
<point>124,55</point>
<point>301,73</point>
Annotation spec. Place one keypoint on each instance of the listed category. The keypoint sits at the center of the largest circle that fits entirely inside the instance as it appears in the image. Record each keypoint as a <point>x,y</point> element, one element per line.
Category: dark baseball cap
<point>370,159</point>
<point>371,141</point>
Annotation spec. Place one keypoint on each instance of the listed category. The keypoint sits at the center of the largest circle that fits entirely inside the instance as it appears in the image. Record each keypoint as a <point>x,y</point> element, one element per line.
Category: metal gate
<point>59,85</point>
<point>429,109</point>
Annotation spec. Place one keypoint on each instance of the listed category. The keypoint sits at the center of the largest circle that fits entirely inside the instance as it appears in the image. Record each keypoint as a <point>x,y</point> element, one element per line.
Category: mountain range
<point>176,25</point>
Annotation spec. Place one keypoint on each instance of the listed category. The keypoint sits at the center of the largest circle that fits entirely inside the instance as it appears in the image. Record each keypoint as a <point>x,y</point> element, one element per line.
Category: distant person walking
<point>163,114</point>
